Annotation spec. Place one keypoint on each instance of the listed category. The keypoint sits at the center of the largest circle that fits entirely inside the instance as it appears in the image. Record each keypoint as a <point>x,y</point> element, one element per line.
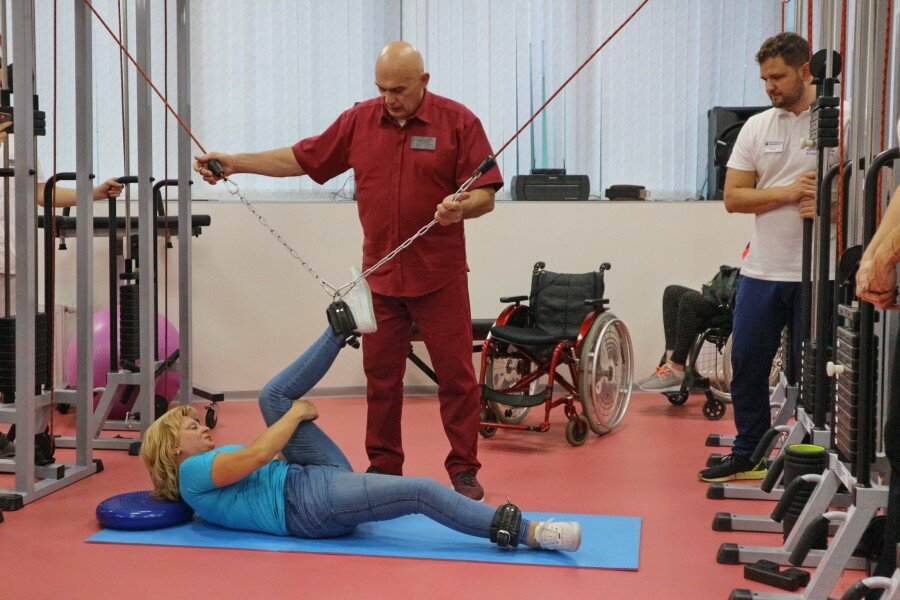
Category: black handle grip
<point>857,591</point>
<point>787,498</point>
<point>486,165</point>
<point>814,532</point>
<point>215,166</point>
<point>764,446</point>
<point>772,475</point>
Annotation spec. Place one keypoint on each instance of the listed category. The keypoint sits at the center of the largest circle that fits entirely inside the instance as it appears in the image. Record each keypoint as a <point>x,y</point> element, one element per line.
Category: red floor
<point>647,468</point>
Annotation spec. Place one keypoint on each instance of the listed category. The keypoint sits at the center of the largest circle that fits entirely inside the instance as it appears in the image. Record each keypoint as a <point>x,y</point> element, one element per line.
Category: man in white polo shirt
<point>771,173</point>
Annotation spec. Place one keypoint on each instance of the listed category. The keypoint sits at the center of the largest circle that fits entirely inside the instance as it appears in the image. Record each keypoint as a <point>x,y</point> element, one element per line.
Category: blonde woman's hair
<point>158,452</point>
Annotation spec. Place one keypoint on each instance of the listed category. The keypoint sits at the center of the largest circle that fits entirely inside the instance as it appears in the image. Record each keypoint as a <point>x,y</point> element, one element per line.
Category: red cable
<point>884,84</point>
<point>502,148</point>
<point>572,76</point>
<point>145,76</point>
<point>809,25</point>
<point>166,190</point>
<point>840,207</point>
<point>51,258</point>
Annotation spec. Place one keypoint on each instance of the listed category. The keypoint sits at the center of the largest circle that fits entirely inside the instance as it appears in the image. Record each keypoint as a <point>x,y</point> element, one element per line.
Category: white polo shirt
<point>771,144</point>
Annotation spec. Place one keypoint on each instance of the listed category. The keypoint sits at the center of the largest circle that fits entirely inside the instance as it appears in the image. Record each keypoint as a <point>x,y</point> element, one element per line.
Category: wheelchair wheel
<point>485,431</point>
<point>577,430</point>
<point>677,398</point>
<point>713,408</point>
<point>502,373</point>
<point>709,358</point>
<point>607,370</point>
<point>778,362</point>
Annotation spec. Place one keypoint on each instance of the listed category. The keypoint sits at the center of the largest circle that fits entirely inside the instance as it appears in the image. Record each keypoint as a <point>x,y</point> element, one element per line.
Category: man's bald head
<point>401,79</point>
<point>400,56</point>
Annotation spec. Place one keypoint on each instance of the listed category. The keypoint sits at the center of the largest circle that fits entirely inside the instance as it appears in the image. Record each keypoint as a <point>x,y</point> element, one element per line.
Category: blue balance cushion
<point>141,511</point>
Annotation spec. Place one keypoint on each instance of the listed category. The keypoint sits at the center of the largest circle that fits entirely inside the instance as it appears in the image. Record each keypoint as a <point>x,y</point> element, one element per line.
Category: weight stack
<point>129,323</point>
<point>808,376</point>
<point>8,356</point>
<point>847,399</point>
<point>802,459</point>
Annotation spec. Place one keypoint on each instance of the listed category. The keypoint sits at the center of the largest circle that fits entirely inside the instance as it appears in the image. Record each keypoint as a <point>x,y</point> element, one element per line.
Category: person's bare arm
<point>470,205</point>
<point>271,163</point>
<point>67,196</point>
<point>742,196</point>
<point>876,279</point>
<point>231,467</point>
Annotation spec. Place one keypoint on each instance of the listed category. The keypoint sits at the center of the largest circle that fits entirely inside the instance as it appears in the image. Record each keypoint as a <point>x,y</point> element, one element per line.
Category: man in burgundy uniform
<point>409,150</point>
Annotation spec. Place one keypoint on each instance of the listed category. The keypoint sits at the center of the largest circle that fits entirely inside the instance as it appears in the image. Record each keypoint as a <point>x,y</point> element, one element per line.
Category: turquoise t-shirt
<point>255,503</point>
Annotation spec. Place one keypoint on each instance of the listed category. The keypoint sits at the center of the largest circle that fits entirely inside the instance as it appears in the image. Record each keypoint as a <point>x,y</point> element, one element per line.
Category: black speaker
<point>724,125</point>
<point>550,184</point>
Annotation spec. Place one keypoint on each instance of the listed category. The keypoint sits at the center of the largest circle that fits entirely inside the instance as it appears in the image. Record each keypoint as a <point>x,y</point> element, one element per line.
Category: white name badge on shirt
<point>774,146</point>
<point>420,142</point>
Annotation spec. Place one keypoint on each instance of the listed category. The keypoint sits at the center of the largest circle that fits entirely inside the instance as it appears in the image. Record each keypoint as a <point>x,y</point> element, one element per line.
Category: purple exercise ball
<point>166,385</point>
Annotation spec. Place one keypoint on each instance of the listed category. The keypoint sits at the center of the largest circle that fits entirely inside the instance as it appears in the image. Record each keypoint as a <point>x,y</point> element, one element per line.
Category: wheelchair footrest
<point>518,400</point>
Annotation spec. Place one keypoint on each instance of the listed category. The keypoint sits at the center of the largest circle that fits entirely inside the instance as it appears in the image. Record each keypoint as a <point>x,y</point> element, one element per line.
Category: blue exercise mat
<point>607,542</point>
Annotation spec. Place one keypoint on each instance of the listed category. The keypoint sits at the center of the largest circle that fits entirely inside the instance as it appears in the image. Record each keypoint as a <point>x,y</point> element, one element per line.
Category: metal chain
<point>235,190</point>
<point>339,292</point>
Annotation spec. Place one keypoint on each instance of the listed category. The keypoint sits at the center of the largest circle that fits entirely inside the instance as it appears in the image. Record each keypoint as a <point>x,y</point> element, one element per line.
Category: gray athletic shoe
<point>665,379</point>
<point>649,377</point>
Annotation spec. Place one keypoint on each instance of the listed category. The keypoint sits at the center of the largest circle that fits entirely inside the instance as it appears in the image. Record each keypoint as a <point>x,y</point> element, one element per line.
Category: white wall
<point>255,308</point>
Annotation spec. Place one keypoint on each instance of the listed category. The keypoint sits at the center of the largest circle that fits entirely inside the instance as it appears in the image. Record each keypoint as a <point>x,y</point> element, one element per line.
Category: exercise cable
<point>338,292</point>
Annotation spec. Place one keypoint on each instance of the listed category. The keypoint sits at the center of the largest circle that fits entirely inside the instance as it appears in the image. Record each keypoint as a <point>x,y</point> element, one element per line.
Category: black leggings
<point>685,311</point>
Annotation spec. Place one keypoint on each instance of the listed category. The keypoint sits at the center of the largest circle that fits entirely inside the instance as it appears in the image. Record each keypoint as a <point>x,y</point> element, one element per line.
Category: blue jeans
<point>762,309</point>
<point>324,497</point>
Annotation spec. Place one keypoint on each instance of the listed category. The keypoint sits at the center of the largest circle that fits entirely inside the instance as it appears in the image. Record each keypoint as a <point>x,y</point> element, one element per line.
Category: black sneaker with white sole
<point>733,467</point>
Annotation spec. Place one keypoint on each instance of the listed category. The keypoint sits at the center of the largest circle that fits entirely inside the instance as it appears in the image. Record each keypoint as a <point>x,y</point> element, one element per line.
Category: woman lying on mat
<point>310,490</point>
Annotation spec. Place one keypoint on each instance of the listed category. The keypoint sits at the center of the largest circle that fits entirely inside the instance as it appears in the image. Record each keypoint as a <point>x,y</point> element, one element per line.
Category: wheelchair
<point>565,323</point>
<point>708,368</point>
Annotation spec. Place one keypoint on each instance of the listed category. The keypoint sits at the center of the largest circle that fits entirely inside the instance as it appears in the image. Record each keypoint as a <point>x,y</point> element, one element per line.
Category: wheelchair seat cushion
<point>141,511</point>
<point>534,337</point>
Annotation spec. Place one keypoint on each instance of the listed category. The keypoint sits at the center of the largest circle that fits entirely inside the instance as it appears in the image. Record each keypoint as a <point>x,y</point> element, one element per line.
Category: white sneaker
<point>359,299</point>
<point>558,535</point>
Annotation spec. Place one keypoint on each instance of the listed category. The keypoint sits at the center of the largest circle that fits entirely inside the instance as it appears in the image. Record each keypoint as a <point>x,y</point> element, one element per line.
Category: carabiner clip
<point>231,187</point>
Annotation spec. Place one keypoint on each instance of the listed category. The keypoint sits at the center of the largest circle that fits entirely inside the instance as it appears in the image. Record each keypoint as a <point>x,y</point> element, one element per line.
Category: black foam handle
<point>773,474</point>
<point>857,591</point>
<point>814,531</point>
<point>215,166</point>
<point>768,439</point>
<point>787,499</point>
<point>487,164</point>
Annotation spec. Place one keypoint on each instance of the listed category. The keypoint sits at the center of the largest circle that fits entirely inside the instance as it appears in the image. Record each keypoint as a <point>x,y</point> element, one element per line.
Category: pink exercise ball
<point>166,385</point>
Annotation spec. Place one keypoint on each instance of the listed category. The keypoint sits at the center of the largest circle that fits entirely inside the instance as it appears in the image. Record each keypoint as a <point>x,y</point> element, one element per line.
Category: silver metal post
<point>84,230</point>
<point>4,59</point>
<point>126,129</point>
<point>147,221</point>
<point>26,225</point>
<point>858,132</point>
<point>185,242</point>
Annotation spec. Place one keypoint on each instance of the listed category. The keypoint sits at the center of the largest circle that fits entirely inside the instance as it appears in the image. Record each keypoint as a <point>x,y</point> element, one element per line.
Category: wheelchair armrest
<point>597,303</point>
<point>516,299</point>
